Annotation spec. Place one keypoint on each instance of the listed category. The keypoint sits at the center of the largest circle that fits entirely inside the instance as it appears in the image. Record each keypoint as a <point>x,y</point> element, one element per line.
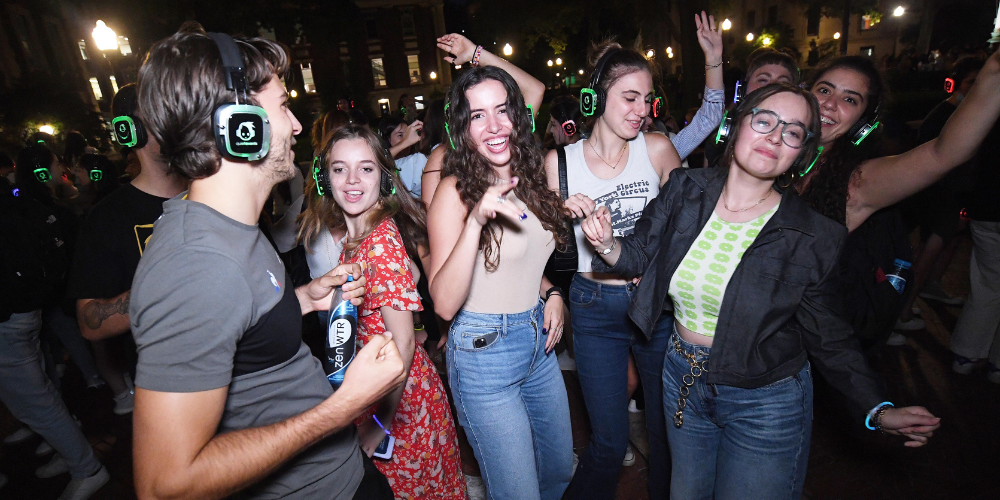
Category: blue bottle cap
<point>901,263</point>
<point>350,277</point>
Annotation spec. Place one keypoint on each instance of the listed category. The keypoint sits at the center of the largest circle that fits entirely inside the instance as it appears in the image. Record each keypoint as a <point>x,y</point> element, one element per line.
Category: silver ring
<point>501,199</point>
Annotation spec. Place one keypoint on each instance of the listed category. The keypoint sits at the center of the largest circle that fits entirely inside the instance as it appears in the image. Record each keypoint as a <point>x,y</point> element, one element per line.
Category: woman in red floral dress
<point>364,193</point>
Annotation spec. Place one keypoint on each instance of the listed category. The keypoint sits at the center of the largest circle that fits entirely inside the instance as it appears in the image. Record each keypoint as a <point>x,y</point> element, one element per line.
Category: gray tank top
<point>625,195</point>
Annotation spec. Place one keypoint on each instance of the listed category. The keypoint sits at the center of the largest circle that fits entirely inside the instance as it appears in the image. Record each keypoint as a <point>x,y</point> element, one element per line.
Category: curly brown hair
<point>474,174</point>
<point>406,211</point>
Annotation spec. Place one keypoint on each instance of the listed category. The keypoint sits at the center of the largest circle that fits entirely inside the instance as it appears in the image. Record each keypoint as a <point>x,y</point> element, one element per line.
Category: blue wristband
<point>873,412</point>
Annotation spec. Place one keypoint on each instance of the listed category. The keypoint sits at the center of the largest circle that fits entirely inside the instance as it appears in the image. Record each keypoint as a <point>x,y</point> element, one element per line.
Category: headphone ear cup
<point>322,177</point>
<point>386,187</point>
<point>599,102</point>
<point>724,128</point>
<point>141,138</point>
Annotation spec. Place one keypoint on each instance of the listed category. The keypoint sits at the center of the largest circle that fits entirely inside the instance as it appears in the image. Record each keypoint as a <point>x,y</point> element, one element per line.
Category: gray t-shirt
<point>211,308</point>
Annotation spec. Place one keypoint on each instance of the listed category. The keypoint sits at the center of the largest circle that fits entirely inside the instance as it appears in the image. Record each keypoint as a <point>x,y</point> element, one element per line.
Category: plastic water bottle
<point>341,337</point>
<point>896,278</point>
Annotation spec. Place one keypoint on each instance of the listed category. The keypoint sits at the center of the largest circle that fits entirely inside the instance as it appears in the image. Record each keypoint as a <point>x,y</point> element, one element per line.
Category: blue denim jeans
<point>737,443</point>
<point>31,398</point>
<point>603,336</point>
<point>511,401</point>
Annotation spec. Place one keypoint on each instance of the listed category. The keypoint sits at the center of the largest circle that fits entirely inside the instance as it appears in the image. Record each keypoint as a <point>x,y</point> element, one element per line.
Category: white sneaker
<point>632,408</point>
<point>566,363</point>
<point>629,456</point>
<point>896,340</point>
<point>55,467</point>
<point>43,449</point>
<point>125,402</point>
<point>19,435</point>
<point>933,291</point>
<point>911,325</point>
<point>475,488</point>
<point>82,488</point>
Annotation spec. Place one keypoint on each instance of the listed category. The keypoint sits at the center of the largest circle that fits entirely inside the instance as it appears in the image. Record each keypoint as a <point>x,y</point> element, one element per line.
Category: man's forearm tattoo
<point>97,311</point>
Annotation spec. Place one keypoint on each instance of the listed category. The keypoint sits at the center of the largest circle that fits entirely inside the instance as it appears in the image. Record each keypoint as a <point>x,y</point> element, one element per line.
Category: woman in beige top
<point>492,225</point>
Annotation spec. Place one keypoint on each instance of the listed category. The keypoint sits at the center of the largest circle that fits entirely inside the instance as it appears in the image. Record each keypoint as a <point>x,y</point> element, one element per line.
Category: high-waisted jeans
<point>603,336</point>
<point>511,401</point>
<point>737,443</point>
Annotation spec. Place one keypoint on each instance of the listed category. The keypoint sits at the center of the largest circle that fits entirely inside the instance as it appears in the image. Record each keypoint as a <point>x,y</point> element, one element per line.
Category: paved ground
<point>845,462</point>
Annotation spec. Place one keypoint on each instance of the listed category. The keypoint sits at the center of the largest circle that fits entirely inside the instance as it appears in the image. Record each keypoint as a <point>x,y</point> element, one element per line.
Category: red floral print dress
<point>425,462</point>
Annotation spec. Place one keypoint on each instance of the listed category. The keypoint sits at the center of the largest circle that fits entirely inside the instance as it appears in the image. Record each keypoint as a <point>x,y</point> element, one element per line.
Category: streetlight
<point>293,94</point>
<point>836,36</point>
<point>105,37</point>
<point>766,41</point>
<point>433,75</point>
<point>650,54</point>
<point>508,50</point>
<point>47,129</point>
<point>749,37</point>
<point>557,74</point>
<point>899,11</point>
<point>549,63</point>
<point>727,24</point>
<point>581,71</point>
<point>558,61</point>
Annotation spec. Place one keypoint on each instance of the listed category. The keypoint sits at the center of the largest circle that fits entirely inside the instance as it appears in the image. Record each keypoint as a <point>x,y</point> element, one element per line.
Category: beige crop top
<point>524,249</point>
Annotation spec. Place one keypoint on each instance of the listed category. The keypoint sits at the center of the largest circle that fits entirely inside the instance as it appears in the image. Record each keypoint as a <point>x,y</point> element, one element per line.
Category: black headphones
<point>129,131</point>
<point>799,166</point>
<point>242,131</point>
<point>592,97</point>
<point>321,175</point>
<point>866,125</point>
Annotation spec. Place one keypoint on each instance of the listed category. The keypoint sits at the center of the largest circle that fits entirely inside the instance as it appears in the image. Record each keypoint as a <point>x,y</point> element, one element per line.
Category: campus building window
<point>371,27</point>
<point>124,46</point>
<point>96,87</point>
<point>812,24</point>
<point>413,67</point>
<point>307,78</point>
<point>83,49</point>
<point>378,72</point>
<point>868,51</point>
<point>406,20</point>
<point>751,19</point>
<point>114,84</point>
<point>870,20</point>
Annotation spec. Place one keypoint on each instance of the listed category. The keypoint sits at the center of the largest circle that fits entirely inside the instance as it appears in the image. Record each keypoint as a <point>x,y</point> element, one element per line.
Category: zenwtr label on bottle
<point>339,335</point>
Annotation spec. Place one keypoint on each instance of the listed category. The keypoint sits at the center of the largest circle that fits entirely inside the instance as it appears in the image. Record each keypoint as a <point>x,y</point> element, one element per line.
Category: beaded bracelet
<point>475,57</point>
<point>875,416</point>
<point>713,66</point>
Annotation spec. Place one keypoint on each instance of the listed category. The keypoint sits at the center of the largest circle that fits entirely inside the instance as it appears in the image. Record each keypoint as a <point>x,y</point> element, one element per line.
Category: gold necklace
<point>766,196</point>
<point>620,155</point>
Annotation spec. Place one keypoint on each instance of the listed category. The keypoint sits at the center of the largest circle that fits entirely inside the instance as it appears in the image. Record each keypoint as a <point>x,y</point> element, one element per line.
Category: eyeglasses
<point>764,121</point>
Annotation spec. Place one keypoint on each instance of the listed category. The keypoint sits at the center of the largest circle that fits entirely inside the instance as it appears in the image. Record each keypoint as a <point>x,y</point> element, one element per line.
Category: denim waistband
<point>700,351</point>
<point>602,288</point>
<point>506,319</point>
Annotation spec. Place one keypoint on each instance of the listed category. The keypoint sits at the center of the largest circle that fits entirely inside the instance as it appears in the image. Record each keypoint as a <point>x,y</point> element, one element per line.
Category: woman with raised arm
<point>492,225</point>
<point>463,51</point>
<point>620,168</point>
<point>848,187</point>
<point>745,271</point>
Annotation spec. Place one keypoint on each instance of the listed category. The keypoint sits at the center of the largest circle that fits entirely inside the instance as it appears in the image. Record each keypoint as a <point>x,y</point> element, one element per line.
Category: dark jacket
<point>781,303</point>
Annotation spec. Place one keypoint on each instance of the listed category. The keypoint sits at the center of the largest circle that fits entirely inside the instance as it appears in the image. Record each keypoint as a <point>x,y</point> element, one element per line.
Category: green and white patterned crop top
<point>700,282</point>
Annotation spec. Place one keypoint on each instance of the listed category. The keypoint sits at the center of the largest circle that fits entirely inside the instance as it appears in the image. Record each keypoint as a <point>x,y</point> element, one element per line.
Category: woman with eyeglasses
<point>747,270</point>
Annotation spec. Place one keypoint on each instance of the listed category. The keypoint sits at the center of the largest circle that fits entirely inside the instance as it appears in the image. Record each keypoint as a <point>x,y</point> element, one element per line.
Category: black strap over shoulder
<point>563,184</point>
<point>232,60</point>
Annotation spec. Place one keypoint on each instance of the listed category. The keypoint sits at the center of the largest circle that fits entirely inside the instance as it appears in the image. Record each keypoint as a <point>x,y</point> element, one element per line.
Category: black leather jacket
<point>781,304</point>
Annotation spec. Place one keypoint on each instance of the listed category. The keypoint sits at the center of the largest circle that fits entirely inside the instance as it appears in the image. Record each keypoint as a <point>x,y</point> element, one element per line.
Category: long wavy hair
<point>475,174</point>
<point>807,152</point>
<point>406,211</point>
<point>828,190</point>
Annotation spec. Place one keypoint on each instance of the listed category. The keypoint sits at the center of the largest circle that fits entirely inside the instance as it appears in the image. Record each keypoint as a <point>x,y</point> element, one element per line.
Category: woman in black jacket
<point>747,270</point>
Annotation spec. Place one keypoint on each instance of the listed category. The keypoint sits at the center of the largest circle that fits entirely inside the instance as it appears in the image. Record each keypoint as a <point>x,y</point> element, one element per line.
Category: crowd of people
<point>471,240</point>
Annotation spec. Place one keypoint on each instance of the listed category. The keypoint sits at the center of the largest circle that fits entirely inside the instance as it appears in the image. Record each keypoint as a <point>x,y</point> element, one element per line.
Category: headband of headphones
<point>593,97</point>
<point>242,131</point>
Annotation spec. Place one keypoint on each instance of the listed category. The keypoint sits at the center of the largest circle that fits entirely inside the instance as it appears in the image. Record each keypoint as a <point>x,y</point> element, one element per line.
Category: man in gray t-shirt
<point>229,401</point>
